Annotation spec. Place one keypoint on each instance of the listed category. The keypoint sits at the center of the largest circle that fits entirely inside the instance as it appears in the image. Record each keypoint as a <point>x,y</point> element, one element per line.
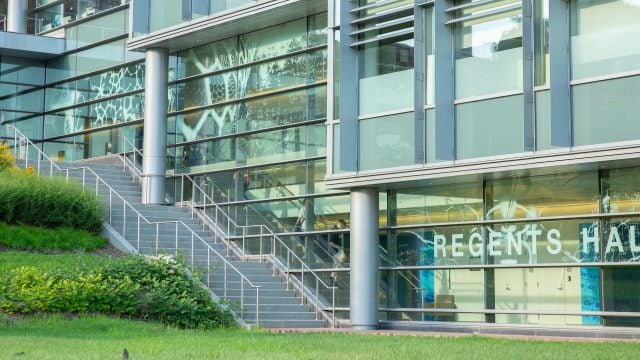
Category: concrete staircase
<point>278,306</point>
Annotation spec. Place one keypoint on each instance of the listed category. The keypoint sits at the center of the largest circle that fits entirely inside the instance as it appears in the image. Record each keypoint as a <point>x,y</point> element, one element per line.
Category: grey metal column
<point>364,259</point>
<point>559,42</point>
<point>17,16</point>
<point>155,126</point>
<point>445,78</point>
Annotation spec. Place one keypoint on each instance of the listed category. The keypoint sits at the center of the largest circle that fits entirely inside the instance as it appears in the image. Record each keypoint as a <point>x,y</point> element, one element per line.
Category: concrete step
<point>250,300</point>
<point>285,324</point>
<point>238,285</point>
<point>249,315</point>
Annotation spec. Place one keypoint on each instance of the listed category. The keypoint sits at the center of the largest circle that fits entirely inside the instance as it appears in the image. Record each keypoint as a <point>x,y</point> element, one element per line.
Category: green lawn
<point>104,338</point>
<point>49,262</point>
<point>21,237</point>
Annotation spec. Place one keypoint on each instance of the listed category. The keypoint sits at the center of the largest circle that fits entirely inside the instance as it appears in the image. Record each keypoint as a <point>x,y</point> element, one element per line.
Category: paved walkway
<point>446,334</point>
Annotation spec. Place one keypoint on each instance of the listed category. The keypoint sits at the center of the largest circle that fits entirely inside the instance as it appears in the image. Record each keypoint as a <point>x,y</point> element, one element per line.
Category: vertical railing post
<point>302,297</point>
<point>182,188</point>
<point>244,235</point>
<point>317,299</point>
<point>209,269</point>
<point>273,251</point>
<point>257,305</point>
<point>241,296</point>
<point>176,252</point>
<point>261,233</point>
<point>110,207</point>
<point>288,268</point>
<point>225,281</point>
<point>124,217</point>
<point>157,236</point>
<point>333,305</point>
<point>138,236</point>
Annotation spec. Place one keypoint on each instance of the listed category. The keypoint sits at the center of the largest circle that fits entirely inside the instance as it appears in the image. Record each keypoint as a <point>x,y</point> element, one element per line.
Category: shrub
<point>45,202</point>
<point>171,295</point>
<point>156,288</point>
<point>6,158</point>
<point>40,239</point>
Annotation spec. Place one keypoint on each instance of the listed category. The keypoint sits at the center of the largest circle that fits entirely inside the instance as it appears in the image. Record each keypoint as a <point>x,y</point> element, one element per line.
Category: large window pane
<point>490,127</point>
<point>606,111</point>
<point>542,196</point>
<point>439,204</point>
<point>621,190</point>
<point>386,75</point>
<point>488,52</point>
<point>605,37</point>
<point>387,142</point>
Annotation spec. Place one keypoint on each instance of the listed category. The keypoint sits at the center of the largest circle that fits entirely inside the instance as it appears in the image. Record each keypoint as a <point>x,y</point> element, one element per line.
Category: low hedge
<point>47,202</point>
<point>149,288</point>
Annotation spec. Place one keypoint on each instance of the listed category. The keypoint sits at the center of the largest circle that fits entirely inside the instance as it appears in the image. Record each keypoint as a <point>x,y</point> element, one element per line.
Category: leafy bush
<point>6,158</point>
<point>51,203</point>
<point>150,288</point>
<point>40,239</point>
<point>171,296</point>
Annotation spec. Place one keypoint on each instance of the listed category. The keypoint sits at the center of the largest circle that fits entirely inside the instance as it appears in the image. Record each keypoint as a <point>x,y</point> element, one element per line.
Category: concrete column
<point>17,16</point>
<point>155,126</point>
<point>364,259</point>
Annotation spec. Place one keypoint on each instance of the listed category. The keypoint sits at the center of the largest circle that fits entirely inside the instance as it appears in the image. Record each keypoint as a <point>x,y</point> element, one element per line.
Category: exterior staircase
<point>254,289</point>
<point>278,307</point>
<point>269,290</point>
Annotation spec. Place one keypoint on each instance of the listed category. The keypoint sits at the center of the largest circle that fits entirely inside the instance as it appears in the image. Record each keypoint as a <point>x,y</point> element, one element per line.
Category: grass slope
<point>51,262</point>
<point>63,239</point>
<point>104,338</point>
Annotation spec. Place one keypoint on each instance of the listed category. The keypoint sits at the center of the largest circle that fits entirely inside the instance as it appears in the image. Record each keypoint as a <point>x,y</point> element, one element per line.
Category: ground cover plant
<point>21,237</point>
<point>149,288</point>
<point>106,338</point>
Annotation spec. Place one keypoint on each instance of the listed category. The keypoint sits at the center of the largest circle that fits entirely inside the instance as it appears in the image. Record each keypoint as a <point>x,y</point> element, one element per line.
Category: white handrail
<point>269,233</point>
<point>22,140</point>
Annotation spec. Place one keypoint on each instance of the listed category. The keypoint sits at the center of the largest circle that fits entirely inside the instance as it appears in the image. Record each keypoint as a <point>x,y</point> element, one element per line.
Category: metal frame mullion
<point>348,90</point>
<point>419,65</point>
<point>445,78</point>
<point>559,46</point>
<point>528,67</point>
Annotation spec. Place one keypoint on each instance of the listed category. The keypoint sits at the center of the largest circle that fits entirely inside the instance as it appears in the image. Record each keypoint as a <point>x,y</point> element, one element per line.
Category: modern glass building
<point>484,154</point>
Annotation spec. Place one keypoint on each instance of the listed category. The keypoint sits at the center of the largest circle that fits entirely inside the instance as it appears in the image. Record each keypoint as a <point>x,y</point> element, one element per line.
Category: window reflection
<point>488,50</point>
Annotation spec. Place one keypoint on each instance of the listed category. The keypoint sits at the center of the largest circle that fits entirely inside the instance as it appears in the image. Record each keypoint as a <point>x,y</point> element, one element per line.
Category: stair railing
<point>224,234</point>
<point>21,146</point>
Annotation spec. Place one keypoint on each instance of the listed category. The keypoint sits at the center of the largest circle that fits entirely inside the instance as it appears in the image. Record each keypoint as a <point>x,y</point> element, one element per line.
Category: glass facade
<point>475,246</point>
<point>254,118</point>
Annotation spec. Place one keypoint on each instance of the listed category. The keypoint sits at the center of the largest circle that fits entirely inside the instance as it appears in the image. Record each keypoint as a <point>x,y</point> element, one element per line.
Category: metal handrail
<point>21,140</point>
<point>266,231</point>
<point>269,233</point>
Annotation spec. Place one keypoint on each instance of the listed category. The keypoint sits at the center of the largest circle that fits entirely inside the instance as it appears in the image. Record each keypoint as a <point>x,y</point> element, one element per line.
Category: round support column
<point>364,259</point>
<point>17,16</point>
<point>155,126</point>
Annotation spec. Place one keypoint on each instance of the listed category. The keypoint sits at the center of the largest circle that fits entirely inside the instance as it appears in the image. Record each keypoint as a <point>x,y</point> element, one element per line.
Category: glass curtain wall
<point>488,61</point>
<point>51,14</point>
<point>605,56</point>
<point>247,119</point>
<point>94,96</point>
<point>474,247</point>
<point>167,13</point>
<point>386,72</point>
